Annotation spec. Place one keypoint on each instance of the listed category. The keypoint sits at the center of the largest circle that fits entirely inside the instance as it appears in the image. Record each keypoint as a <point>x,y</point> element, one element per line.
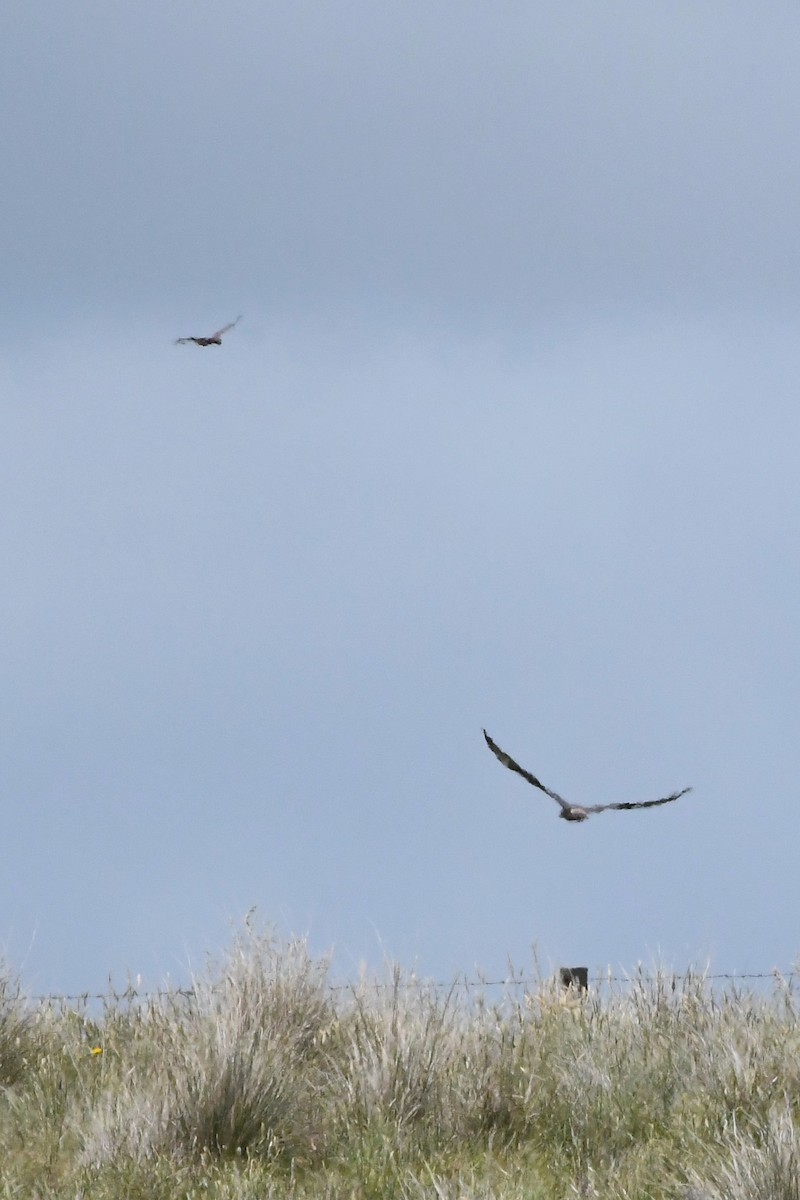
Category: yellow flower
<point>97,1050</point>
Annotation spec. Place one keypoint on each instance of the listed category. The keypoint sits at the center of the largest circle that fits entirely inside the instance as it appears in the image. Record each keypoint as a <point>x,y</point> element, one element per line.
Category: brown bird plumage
<point>572,812</point>
<point>214,340</point>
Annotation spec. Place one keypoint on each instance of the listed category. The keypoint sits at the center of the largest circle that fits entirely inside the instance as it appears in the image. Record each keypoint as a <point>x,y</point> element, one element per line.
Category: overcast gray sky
<point>507,437</point>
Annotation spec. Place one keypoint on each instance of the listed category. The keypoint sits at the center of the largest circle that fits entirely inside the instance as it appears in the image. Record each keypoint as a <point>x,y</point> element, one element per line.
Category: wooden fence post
<point>574,977</point>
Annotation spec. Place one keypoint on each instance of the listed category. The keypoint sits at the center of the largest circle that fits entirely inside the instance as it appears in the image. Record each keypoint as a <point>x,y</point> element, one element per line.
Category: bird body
<point>214,340</point>
<point>573,812</point>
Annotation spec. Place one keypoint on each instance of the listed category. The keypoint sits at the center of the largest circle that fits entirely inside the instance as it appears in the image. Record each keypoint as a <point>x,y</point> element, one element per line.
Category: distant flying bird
<point>571,812</point>
<point>214,340</point>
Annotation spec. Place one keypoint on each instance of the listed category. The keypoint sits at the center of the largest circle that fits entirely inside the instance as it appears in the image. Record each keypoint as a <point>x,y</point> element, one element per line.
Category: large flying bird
<point>214,340</point>
<point>571,812</point>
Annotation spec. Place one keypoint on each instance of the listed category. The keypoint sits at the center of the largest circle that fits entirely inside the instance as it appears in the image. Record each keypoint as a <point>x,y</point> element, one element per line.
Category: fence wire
<point>510,983</point>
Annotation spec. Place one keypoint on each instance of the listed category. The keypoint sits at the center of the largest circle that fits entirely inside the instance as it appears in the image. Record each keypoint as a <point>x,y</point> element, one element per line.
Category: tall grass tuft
<point>400,1060</point>
<point>761,1164</point>
<point>17,1038</point>
<point>236,1067</point>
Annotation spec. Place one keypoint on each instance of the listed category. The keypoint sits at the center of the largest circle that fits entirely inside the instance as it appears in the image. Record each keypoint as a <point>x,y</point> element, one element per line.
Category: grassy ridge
<point>266,1082</point>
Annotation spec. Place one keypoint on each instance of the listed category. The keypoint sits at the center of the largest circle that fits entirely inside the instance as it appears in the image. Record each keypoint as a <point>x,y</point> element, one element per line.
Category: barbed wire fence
<point>512,983</point>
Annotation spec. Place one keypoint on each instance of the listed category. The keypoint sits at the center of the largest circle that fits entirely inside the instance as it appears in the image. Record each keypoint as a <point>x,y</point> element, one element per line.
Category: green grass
<point>265,1082</point>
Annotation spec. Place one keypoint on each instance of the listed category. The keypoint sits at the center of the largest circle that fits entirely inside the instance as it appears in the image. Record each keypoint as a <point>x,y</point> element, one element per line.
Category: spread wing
<point>225,328</point>
<point>508,761</point>
<point>212,339</point>
<point>596,808</point>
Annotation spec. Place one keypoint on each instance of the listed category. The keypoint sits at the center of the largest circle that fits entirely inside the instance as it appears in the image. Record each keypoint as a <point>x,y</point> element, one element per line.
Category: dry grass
<point>267,1082</point>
